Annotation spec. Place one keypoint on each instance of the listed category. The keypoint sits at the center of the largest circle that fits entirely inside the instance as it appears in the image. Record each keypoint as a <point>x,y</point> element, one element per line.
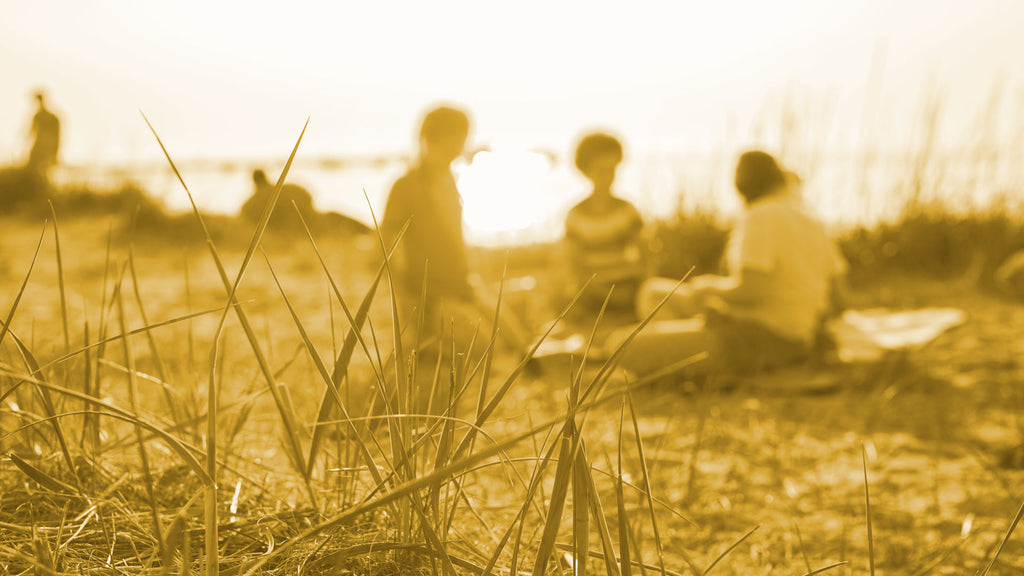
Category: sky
<point>687,85</point>
<point>239,79</point>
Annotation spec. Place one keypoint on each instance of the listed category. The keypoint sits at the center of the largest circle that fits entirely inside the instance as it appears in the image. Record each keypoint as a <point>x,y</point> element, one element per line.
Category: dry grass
<point>285,449</point>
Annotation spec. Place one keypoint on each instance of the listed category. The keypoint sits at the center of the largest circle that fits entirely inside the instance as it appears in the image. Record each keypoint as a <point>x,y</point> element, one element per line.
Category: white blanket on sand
<point>861,335</point>
<point>865,335</point>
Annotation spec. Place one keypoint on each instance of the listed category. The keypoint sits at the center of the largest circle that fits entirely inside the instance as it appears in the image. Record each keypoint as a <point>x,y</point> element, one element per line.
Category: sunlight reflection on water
<point>517,196</point>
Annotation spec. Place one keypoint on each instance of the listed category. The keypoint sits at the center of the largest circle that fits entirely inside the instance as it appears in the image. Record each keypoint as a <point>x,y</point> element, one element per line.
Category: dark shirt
<point>283,217</point>
<point>46,129</point>
<point>434,242</point>
<point>253,207</point>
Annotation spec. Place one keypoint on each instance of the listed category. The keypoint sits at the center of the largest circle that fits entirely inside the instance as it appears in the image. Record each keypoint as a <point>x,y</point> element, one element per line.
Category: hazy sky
<point>238,79</point>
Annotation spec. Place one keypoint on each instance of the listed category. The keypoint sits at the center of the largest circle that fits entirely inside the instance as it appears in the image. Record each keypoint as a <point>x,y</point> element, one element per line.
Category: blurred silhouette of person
<point>45,134</point>
<point>603,233</point>
<point>785,280</point>
<point>283,217</point>
<point>431,256</point>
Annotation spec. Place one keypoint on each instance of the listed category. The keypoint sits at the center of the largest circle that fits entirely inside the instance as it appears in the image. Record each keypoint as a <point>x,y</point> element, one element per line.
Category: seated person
<point>784,278</point>
<point>432,257</point>
<point>284,216</point>
<point>603,232</point>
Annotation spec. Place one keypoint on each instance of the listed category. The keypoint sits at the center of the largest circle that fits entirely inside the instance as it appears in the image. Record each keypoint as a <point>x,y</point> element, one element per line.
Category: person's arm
<point>753,265</point>
<point>397,211</point>
<point>838,286</point>
<point>748,288</point>
<point>838,295</point>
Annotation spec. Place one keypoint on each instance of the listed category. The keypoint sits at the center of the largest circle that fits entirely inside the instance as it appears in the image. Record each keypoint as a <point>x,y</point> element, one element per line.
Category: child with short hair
<point>603,233</point>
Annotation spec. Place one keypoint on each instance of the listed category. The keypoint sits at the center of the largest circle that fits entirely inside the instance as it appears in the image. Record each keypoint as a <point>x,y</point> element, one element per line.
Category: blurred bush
<point>936,243</point>
<point>687,240</point>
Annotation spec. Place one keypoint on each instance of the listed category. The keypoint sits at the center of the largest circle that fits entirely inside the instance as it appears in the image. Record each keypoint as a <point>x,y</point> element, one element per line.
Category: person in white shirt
<point>784,281</point>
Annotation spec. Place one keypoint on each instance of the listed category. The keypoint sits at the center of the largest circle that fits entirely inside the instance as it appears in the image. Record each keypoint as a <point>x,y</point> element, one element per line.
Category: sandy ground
<point>939,427</point>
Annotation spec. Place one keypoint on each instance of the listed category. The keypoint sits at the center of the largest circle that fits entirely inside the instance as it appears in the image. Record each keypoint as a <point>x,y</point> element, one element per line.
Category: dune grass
<point>274,456</point>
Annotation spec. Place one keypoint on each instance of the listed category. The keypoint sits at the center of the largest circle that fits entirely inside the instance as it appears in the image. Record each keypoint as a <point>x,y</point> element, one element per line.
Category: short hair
<point>596,144</point>
<point>757,174</point>
<point>259,177</point>
<point>444,121</point>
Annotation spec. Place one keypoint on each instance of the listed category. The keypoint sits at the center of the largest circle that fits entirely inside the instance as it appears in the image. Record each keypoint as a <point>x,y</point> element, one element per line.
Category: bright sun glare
<point>505,193</point>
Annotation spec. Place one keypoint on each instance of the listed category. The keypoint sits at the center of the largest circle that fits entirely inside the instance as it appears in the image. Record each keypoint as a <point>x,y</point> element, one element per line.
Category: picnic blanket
<point>861,335</point>
<point>866,335</point>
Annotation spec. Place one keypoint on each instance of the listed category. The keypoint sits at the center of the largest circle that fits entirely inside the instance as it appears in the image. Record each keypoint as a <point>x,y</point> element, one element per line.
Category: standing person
<point>45,134</point>
<point>603,232</point>
<point>785,278</point>
<point>431,256</point>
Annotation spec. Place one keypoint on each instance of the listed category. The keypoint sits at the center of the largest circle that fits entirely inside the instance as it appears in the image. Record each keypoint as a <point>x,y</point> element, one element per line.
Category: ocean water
<point>513,197</point>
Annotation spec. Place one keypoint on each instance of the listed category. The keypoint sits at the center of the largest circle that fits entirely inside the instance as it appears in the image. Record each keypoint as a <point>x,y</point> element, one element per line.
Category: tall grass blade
<point>867,510</point>
<point>536,482</point>
<point>176,538</point>
<point>400,433</point>
<point>506,385</point>
<point>293,444</point>
<point>210,517</point>
<point>21,291</point>
<point>352,338</point>
<point>114,411</point>
<point>635,563</point>
<point>610,563</point>
<point>646,471</point>
<point>401,491</point>
<point>486,374</point>
<point>32,365</point>
<point>133,401</point>
<point>148,328</point>
<point>581,497</point>
<point>42,478</point>
<point>824,569</point>
<point>620,499</point>
<point>803,549</point>
<point>431,536</point>
<point>563,477</point>
<point>730,549</point>
<point>1009,532</point>
<point>606,369</point>
<point>60,281</point>
<point>328,380</point>
<point>403,436</point>
<point>154,350</point>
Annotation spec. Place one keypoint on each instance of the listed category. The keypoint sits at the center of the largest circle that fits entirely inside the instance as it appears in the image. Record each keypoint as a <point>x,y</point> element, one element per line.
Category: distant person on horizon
<point>431,256</point>
<point>45,133</point>
<point>603,233</point>
<point>283,217</point>
<point>785,278</point>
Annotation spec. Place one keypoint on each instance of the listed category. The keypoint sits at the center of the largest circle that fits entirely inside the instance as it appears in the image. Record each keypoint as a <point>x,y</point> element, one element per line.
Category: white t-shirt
<point>778,237</point>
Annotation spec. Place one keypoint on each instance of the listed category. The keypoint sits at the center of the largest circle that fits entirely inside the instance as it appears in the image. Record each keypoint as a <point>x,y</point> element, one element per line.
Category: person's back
<point>284,216</point>
<point>780,238</point>
<point>433,249</point>
<point>785,278</point>
<point>46,138</point>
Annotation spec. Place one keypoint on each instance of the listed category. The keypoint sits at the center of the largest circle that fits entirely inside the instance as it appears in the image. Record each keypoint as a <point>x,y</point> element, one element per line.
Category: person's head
<point>259,178</point>
<point>597,157</point>
<point>443,134</point>
<point>757,175</point>
<point>40,98</point>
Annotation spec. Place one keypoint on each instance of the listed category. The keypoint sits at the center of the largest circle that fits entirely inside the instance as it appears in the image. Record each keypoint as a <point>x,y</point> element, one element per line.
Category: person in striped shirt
<point>603,233</point>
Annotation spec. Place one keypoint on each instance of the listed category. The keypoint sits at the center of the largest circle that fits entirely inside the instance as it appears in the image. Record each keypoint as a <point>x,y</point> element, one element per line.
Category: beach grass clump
<point>222,423</point>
